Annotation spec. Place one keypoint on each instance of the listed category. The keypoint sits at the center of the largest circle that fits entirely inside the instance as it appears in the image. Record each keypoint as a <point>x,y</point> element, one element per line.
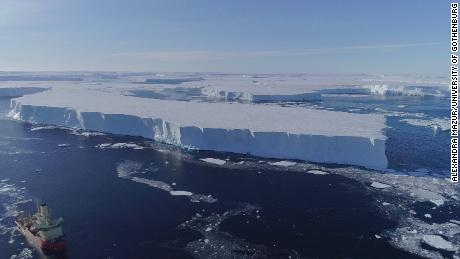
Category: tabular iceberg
<point>262,130</point>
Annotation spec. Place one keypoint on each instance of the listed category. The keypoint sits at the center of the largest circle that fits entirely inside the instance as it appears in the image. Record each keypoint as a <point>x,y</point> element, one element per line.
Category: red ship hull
<point>42,245</point>
<point>54,247</point>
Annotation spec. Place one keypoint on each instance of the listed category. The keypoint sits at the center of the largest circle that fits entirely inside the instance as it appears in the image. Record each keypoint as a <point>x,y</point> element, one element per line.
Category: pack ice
<point>106,104</point>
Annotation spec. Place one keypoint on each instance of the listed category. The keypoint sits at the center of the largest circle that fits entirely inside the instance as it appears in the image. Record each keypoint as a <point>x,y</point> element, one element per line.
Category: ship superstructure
<point>41,231</point>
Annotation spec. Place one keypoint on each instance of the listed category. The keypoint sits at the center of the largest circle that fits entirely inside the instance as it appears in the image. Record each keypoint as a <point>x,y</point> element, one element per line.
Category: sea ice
<point>380,185</point>
<point>180,193</point>
<point>317,172</point>
<point>283,163</point>
<point>438,242</point>
<point>214,161</point>
<point>128,169</point>
<point>436,123</point>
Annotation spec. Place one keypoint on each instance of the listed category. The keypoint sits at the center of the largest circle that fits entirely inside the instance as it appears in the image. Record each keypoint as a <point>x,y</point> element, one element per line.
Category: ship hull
<point>39,244</point>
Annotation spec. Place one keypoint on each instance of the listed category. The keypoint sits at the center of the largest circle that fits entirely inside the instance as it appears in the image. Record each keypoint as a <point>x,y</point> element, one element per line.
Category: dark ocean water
<point>258,213</point>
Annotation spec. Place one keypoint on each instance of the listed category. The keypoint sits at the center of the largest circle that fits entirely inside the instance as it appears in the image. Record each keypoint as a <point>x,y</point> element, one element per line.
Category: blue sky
<point>263,36</point>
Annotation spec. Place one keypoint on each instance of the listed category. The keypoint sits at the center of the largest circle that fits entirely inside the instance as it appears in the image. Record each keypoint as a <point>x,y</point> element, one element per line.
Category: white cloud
<point>224,55</point>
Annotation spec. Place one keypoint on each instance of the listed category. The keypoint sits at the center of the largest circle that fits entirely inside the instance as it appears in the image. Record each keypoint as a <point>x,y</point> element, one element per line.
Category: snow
<point>271,131</point>
<point>214,161</point>
<point>380,185</point>
<point>232,127</point>
<point>283,163</point>
<point>438,242</point>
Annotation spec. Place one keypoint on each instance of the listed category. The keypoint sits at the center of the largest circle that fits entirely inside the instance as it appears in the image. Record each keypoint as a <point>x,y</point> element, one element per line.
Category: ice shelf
<point>262,130</point>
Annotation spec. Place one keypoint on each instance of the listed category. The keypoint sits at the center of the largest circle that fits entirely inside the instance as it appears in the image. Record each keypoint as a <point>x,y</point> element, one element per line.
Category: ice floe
<point>438,242</point>
<point>119,146</point>
<point>283,163</point>
<point>217,244</point>
<point>436,123</point>
<point>25,253</point>
<point>380,185</point>
<point>11,196</point>
<point>317,172</point>
<point>214,161</point>
<point>128,169</point>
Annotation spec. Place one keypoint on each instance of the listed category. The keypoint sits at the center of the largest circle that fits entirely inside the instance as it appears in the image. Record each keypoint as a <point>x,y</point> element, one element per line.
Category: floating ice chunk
<point>44,128</point>
<point>64,145</point>
<point>119,145</point>
<point>378,236</point>
<point>26,253</point>
<point>399,90</point>
<point>152,183</point>
<point>438,242</point>
<point>436,123</point>
<point>283,163</point>
<point>430,196</point>
<point>202,198</point>
<point>386,203</point>
<point>427,215</point>
<point>214,161</point>
<point>379,185</point>
<point>87,133</point>
<point>128,168</point>
<point>180,193</point>
<point>317,172</point>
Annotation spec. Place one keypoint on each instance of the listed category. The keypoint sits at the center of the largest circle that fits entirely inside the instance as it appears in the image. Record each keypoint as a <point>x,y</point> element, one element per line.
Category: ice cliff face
<point>253,97</point>
<point>267,131</point>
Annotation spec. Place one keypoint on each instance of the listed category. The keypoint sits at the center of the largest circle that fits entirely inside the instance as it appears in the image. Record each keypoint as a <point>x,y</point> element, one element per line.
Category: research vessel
<point>41,231</point>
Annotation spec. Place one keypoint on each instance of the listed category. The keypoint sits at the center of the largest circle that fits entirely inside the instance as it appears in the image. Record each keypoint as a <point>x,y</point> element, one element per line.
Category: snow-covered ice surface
<point>269,131</point>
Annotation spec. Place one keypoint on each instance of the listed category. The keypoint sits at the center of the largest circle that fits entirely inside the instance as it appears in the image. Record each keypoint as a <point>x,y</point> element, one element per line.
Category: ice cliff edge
<point>261,130</point>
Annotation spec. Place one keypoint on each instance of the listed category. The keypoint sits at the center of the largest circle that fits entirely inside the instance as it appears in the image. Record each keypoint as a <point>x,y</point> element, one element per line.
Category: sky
<point>233,36</point>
